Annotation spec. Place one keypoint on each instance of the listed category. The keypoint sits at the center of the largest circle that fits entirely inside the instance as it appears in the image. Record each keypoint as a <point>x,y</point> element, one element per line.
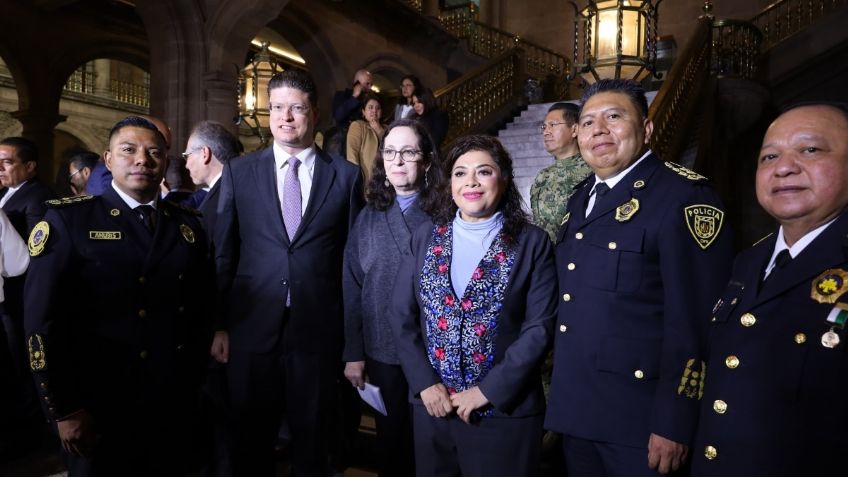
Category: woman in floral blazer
<point>472,312</point>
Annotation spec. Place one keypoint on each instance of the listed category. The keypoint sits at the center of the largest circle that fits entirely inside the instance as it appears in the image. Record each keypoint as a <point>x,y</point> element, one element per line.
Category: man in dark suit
<point>283,220</point>
<point>22,199</point>
<point>643,248</point>
<point>120,372</point>
<point>209,147</point>
<point>777,381</point>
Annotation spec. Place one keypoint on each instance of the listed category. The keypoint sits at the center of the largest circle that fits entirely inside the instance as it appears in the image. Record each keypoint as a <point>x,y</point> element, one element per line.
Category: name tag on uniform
<point>101,235</point>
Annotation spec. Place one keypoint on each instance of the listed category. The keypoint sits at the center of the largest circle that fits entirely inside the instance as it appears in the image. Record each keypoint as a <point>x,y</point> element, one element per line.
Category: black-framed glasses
<point>190,152</point>
<point>544,127</point>
<point>406,155</point>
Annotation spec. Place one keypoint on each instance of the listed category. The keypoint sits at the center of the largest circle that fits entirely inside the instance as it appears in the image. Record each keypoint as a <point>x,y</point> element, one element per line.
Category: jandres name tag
<point>101,235</point>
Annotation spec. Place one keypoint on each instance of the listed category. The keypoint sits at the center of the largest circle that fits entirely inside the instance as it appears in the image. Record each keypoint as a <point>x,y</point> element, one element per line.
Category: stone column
<point>103,78</point>
<point>38,128</point>
<point>221,99</point>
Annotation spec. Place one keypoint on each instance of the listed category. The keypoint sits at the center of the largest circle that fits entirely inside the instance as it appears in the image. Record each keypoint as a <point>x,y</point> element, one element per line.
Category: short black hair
<point>82,158</point>
<point>629,88</point>
<point>570,111</point>
<point>214,135</point>
<point>136,122</point>
<point>299,80</point>
<point>25,150</point>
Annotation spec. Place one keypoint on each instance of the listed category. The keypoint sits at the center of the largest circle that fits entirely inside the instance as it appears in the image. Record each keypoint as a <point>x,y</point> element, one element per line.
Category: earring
<point>426,181</point>
<point>386,183</point>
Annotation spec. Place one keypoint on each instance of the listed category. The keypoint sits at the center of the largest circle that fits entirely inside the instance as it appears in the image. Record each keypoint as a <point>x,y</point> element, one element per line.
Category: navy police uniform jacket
<point>775,395</point>
<point>117,321</point>
<point>636,280</point>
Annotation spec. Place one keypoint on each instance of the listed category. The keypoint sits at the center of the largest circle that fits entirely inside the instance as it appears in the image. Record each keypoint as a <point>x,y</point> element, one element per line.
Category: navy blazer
<point>513,385</point>
<point>775,397</point>
<point>635,286</point>
<point>258,266</point>
<point>26,206</point>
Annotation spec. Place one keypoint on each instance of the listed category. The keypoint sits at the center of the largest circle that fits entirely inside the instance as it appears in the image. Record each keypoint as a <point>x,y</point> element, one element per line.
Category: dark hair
<point>629,88</point>
<point>25,150</point>
<point>368,96</point>
<point>298,80</point>
<point>416,88</point>
<point>514,216</point>
<point>840,106</point>
<point>136,122</point>
<point>425,97</point>
<point>217,138</point>
<point>570,111</point>
<point>381,197</point>
<point>82,158</point>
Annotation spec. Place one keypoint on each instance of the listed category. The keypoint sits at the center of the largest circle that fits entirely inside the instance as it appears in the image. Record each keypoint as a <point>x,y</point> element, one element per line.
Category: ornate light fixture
<point>253,92</point>
<point>617,38</point>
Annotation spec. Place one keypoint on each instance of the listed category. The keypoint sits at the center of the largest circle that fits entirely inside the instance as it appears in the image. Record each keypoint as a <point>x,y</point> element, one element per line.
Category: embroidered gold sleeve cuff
<point>692,380</point>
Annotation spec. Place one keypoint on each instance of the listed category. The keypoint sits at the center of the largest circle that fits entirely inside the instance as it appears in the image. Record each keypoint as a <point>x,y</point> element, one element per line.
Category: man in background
<point>80,165</point>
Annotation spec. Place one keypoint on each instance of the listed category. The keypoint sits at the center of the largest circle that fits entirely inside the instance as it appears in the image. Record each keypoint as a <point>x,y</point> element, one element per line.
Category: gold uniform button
<point>562,328</point>
<point>612,245</point>
<point>141,280</point>
<point>800,338</point>
<point>719,406</point>
<point>639,374</point>
<point>579,235</point>
<point>142,313</point>
<point>748,319</point>
<point>566,297</point>
<point>710,452</point>
<point>571,266</point>
<point>732,362</point>
<point>143,355</point>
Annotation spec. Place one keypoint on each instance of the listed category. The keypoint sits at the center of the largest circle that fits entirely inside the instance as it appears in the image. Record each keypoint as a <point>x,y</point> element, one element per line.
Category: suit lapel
<point>623,190</point>
<point>817,257</point>
<point>166,233</point>
<point>126,220</point>
<point>265,178</point>
<point>398,226</point>
<point>322,180</point>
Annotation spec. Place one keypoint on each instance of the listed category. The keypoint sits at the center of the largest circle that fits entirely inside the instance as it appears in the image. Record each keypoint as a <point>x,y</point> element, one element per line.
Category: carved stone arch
<point>93,139</point>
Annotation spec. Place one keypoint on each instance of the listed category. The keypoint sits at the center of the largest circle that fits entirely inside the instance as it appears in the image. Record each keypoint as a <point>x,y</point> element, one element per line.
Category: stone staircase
<point>523,140</point>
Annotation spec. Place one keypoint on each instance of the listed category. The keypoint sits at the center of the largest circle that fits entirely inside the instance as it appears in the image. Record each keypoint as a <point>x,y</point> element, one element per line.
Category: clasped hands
<point>440,403</point>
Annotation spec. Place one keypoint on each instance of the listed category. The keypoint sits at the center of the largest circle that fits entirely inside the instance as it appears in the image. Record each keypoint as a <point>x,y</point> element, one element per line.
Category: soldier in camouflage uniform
<point>554,184</point>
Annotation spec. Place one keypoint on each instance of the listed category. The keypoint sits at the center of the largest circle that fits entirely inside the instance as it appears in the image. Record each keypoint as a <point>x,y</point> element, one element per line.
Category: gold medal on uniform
<point>188,234</point>
<point>829,286</point>
<point>627,210</point>
<point>830,339</point>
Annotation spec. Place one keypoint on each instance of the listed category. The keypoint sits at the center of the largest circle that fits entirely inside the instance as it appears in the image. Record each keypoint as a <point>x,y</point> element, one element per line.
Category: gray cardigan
<point>375,248</point>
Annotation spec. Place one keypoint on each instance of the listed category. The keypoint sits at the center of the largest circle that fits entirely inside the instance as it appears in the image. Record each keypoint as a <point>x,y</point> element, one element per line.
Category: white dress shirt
<point>14,256</point>
<point>796,248</point>
<point>9,192</point>
<point>132,203</point>
<point>611,181</point>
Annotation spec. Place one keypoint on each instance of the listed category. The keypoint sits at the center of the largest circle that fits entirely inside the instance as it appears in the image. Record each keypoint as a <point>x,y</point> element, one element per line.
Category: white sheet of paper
<point>371,395</point>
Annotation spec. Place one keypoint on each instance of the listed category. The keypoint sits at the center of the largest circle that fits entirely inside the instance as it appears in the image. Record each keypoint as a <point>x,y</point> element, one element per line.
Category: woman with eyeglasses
<point>472,312</point>
<point>364,135</point>
<point>400,197</point>
<point>409,86</point>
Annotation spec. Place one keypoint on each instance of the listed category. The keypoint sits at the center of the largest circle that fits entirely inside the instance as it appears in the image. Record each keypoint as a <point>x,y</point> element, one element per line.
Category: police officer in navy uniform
<point>117,323</point>
<point>777,377</point>
<point>644,246</point>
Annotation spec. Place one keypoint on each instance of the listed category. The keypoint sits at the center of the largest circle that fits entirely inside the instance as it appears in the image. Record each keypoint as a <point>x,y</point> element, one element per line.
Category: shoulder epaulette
<point>184,208</point>
<point>66,201</point>
<point>684,172</point>
<point>760,240</point>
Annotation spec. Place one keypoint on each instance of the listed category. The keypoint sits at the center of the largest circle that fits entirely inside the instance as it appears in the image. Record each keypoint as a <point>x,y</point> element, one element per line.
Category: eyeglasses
<point>190,152</point>
<point>72,174</point>
<point>544,127</point>
<point>297,109</point>
<point>406,155</point>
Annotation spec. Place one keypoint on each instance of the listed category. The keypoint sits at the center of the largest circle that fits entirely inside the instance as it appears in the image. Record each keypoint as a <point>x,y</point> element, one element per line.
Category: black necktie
<point>146,213</point>
<point>780,262</point>
<point>601,190</point>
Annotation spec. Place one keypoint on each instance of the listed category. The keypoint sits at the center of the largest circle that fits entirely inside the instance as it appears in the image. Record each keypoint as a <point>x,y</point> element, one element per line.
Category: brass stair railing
<point>785,18</point>
<point>674,107</point>
<point>471,98</point>
<point>735,49</point>
<point>490,42</point>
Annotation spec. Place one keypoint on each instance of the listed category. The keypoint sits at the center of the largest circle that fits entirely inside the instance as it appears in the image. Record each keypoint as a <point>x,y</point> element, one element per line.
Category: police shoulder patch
<point>684,172</point>
<point>66,201</point>
<point>704,223</point>
<point>38,238</point>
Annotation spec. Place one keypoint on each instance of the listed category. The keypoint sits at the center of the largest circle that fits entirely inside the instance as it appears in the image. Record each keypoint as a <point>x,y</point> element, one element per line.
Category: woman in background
<point>426,111</point>
<point>400,198</point>
<point>472,311</point>
<point>409,85</point>
<point>364,135</point>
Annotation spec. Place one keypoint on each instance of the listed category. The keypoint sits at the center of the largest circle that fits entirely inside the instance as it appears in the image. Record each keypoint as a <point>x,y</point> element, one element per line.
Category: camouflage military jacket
<point>551,190</point>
